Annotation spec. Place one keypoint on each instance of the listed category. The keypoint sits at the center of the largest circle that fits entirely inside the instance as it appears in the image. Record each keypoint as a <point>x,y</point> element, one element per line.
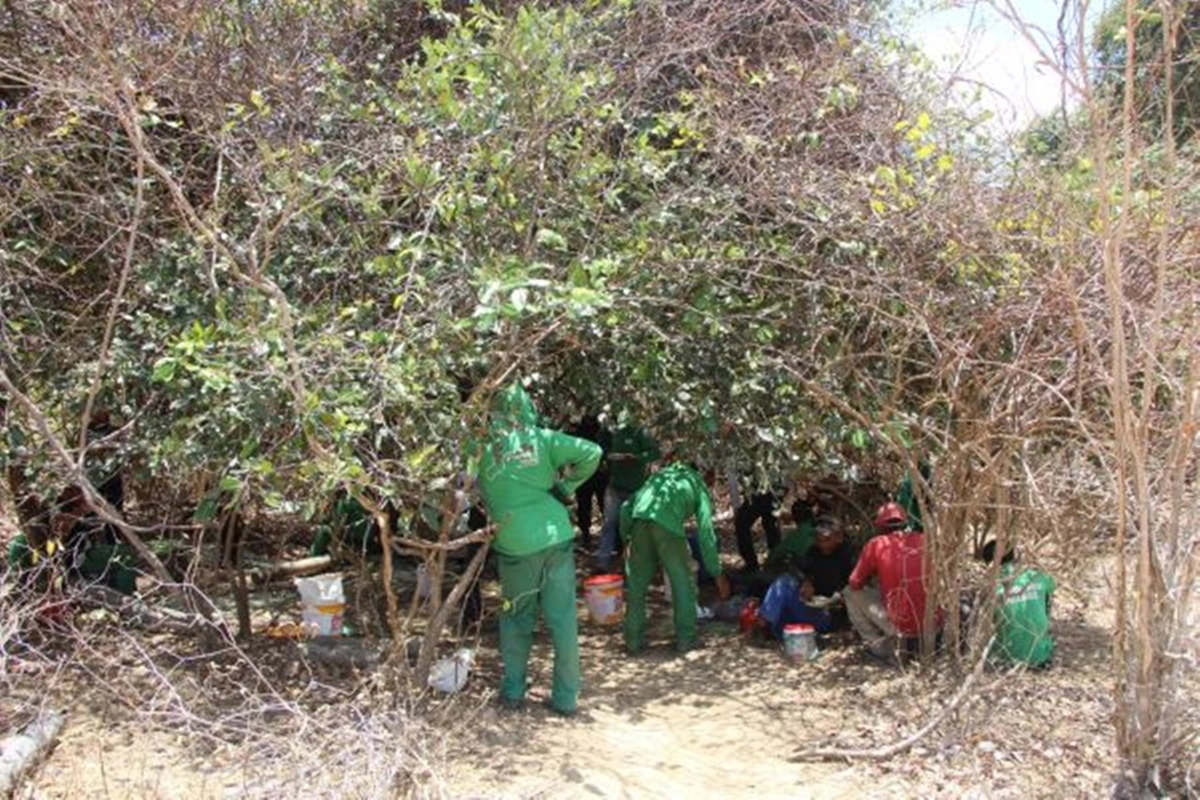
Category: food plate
<point>820,601</point>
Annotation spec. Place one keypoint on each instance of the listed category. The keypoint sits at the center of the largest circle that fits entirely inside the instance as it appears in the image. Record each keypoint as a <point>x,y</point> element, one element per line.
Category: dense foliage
<point>295,246</point>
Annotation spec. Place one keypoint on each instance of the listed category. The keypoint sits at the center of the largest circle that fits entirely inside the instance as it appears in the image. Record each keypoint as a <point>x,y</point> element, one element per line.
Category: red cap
<point>890,516</point>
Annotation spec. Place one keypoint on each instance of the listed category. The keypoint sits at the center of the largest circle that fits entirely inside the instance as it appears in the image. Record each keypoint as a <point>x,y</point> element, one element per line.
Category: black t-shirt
<point>829,573</point>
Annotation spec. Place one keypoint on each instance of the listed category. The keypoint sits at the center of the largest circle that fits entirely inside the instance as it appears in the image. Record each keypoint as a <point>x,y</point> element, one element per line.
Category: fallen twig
<point>20,753</point>
<point>887,751</point>
<point>137,612</point>
<point>265,573</point>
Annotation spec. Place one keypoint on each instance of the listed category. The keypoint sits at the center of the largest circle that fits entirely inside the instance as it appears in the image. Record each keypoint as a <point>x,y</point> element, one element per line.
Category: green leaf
<point>164,370</point>
<point>551,238</point>
<point>416,459</point>
<point>206,509</point>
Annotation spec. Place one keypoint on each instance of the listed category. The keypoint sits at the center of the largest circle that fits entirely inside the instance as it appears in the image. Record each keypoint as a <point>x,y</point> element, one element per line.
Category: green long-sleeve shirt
<point>669,498</point>
<point>521,464</point>
<point>792,549</point>
<point>1023,616</point>
<point>628,474</point>
<point>906,496</point>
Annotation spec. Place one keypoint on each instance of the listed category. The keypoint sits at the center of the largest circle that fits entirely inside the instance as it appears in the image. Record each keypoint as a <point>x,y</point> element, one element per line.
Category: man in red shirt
<point>894,608</point>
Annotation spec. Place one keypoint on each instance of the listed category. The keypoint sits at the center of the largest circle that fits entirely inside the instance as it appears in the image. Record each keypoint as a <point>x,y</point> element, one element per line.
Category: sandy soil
<point>728,720</point>
<point>723,721</point>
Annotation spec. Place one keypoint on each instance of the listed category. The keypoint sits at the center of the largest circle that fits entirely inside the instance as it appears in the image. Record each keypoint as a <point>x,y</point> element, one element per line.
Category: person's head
<point>802,512</point>
<point>829,535</point>
<point>512,408</point>
<point>890,518</point>
<point>987,553</point>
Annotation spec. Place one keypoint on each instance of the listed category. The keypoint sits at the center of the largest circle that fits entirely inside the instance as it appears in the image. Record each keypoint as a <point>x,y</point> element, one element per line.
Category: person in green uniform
<point>112,565</point>
<point>525,474</point>
<point>350,526</point>
<point>1022,615</point>
<point>794,546</point>
<point>906,494</point>
<point>630,455</point>
<point>652,522</point>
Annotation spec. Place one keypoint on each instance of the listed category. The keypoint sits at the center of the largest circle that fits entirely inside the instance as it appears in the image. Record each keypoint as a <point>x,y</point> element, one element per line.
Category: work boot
<point>559,712</point>
<point>512,704</point>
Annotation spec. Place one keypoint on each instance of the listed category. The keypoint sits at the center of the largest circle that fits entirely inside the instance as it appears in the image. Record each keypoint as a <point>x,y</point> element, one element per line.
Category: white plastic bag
<point>323,603</point>
<point>450,674</point>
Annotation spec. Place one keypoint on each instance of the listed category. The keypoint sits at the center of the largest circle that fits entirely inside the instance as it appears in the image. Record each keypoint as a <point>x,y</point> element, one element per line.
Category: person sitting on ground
<point>823,572</point>
<point>790,552</point>
<point>828,565</point>
<point>75,545</point>
<point>895,608</point>
<point>652,525</point>
<point>1022,615</point>
<point>787,603</point>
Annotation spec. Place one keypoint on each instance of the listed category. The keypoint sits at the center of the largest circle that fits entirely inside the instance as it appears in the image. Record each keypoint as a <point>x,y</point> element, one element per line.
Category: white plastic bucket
<point>800,642</point>
<point>322,604</point>
<point>605,596</point>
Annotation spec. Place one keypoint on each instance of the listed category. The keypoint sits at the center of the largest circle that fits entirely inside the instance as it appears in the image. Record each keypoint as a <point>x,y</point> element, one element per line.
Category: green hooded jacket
<point>520,466</point>
<point>669,498</point>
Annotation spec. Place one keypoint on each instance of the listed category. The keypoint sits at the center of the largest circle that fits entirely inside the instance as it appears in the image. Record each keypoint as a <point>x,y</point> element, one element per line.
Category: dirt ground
<point>156,716</point>
<point>729,719</point>
<point>726,720</point>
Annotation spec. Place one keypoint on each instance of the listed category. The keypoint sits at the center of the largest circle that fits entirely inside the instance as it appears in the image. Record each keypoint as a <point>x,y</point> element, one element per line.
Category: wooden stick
<point>882,753</point>
<point>137,611</point>
<point>413,546</point>
<point>20,753</point>
<point>272,571</point>
<point>434,630</point>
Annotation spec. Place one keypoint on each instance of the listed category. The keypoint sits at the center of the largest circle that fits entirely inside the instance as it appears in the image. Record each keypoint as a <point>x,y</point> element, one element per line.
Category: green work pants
<point>546,577</point>
<point>652,546</point>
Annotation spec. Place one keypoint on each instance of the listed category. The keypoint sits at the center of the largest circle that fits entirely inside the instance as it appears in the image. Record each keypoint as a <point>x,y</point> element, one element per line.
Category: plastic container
<point>605,597</point>
<point>800,642</point>
<point>450,674</point>
<point>323,604</point>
